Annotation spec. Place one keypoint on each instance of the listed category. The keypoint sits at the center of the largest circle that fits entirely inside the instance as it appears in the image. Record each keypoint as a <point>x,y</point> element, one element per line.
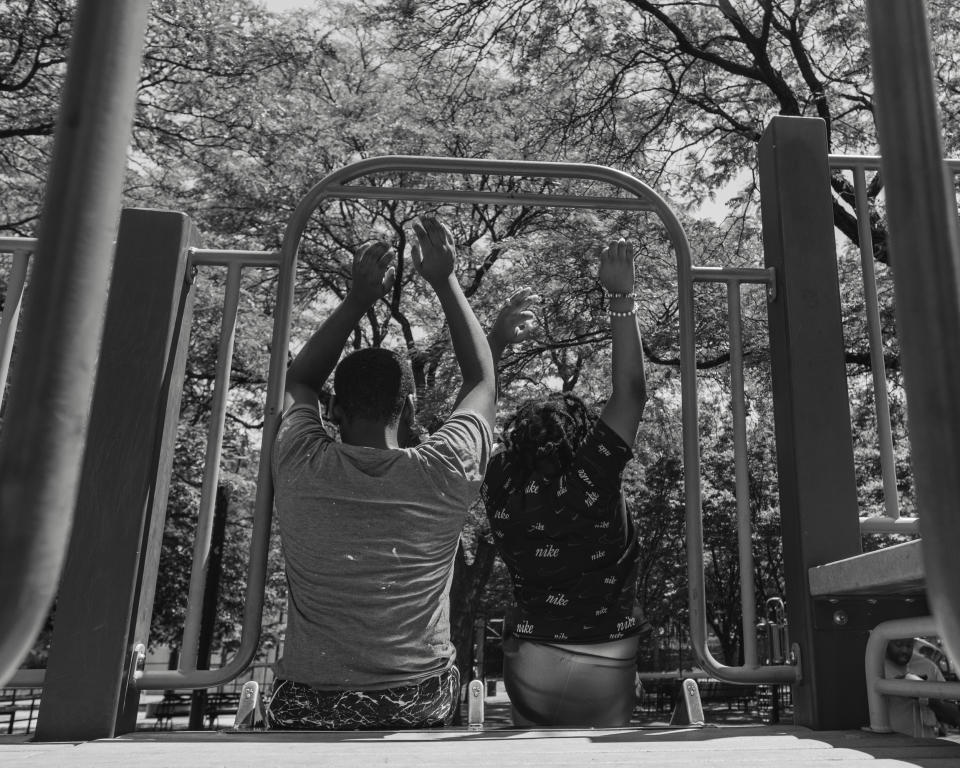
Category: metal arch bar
<point>333,185</point>
<point>452,196</point>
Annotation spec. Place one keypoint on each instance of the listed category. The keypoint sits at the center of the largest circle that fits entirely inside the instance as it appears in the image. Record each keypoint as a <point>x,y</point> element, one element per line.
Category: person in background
<point>369,528</point>
<point>921,718</point>
<point>561,525</point>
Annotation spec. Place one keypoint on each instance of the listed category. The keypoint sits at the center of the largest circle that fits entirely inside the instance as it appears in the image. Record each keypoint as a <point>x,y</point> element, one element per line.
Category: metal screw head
<point>840,618</point>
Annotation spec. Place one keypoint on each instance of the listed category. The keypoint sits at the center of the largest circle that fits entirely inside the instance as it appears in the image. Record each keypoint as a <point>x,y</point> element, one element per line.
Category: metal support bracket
<point>251,715</point>
<point>689,709</point>
<point>795,661</point>
<point>862,613</point>
<point>138,660</point>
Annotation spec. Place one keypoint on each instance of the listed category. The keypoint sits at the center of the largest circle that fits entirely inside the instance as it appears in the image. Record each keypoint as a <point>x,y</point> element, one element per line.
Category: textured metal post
<point>925,256</point>
<point>46,423</point>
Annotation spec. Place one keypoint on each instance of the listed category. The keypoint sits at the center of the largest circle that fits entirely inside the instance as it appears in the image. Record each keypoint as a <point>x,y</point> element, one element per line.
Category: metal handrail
<point>891,521</point>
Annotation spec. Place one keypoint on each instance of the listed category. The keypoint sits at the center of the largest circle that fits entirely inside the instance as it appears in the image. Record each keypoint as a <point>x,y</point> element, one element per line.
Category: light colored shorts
<point>574,686</point>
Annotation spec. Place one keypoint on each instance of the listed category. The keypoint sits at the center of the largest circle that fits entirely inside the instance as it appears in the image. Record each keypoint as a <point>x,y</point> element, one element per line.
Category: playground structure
<point>834,595</point>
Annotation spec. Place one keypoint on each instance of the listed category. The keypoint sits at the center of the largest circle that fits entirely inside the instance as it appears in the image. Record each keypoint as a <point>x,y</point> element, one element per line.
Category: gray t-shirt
<point>369,537</point>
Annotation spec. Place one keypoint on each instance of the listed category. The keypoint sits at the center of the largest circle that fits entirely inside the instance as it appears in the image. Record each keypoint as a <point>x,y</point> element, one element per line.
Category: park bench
<point>14,701</point>
<point>719,691</point>
<point>177,704</point>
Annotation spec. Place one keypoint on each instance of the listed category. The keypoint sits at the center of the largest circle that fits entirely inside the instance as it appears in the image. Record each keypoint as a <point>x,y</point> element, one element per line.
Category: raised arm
<point>435,256</point>
<point>515,322</point>
<point>628,395</point>
<point>373,276</point>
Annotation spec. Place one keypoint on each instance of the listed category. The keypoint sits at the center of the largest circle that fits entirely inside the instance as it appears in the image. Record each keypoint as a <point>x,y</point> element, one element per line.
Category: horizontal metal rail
<point>211,257</point>
<point>17,244</point>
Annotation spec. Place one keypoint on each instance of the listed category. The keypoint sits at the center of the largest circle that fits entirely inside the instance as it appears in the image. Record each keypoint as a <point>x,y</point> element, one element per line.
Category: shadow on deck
<point>727,745</point>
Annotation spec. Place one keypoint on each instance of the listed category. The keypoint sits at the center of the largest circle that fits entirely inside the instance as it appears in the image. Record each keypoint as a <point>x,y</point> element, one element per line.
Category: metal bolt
<point>840,618</point>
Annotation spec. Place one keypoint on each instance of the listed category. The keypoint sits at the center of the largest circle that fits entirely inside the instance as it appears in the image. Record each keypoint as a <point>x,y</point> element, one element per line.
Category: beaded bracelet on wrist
<point>615,295</point>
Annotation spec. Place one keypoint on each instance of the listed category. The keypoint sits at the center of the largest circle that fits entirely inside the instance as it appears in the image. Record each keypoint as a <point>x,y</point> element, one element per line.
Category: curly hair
<point>373,383</point>
<point>547,428</point>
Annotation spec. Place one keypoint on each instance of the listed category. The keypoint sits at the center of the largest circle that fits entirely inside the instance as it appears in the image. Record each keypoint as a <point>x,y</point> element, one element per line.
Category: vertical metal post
<point>888,469</point>
<point>211,473</point>
<point>46,424</point>
<point>748,597</point>
<point>925,255</point>
<point>818,495</point>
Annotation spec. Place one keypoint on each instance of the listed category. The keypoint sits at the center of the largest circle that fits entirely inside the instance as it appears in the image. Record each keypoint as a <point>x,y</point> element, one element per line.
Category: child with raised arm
<point>561,525</point>
<point>369,529</point>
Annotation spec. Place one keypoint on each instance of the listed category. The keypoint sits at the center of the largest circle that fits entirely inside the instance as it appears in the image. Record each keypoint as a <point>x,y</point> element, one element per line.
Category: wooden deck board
<point>719,747</point>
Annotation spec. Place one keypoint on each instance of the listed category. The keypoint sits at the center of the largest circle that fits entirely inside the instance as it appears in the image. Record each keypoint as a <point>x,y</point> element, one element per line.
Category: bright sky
<point>285,5</point>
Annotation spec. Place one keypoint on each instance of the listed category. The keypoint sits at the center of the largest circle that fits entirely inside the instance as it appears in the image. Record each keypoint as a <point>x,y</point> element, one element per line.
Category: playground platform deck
<point>719,746</point>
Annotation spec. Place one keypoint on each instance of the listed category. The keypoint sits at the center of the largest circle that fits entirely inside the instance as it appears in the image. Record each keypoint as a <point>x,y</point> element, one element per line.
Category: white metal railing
<point>733,279</point>
<point>891,520</point>
<point>20,250</point>
<point>234,261</point>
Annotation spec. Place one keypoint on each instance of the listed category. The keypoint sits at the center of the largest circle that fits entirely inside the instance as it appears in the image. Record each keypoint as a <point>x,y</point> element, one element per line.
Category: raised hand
<point>616,267</point>
<point>515,321</point>
<point>434,251</point>
<point>373,272</point>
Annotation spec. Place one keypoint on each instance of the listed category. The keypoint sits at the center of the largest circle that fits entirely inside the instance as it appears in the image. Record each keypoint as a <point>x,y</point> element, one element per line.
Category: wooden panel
<point>818,498</point>
<point>119,515</point>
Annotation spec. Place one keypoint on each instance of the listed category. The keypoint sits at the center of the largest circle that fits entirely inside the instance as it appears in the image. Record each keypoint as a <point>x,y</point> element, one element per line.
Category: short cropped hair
<point>373,383</point>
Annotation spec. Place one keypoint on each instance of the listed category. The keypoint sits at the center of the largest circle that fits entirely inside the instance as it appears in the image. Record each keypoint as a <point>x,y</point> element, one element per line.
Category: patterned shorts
<point>429,704</point>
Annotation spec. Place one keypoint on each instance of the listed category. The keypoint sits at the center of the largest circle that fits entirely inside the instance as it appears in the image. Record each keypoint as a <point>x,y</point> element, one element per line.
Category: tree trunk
<point>469,580</point>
